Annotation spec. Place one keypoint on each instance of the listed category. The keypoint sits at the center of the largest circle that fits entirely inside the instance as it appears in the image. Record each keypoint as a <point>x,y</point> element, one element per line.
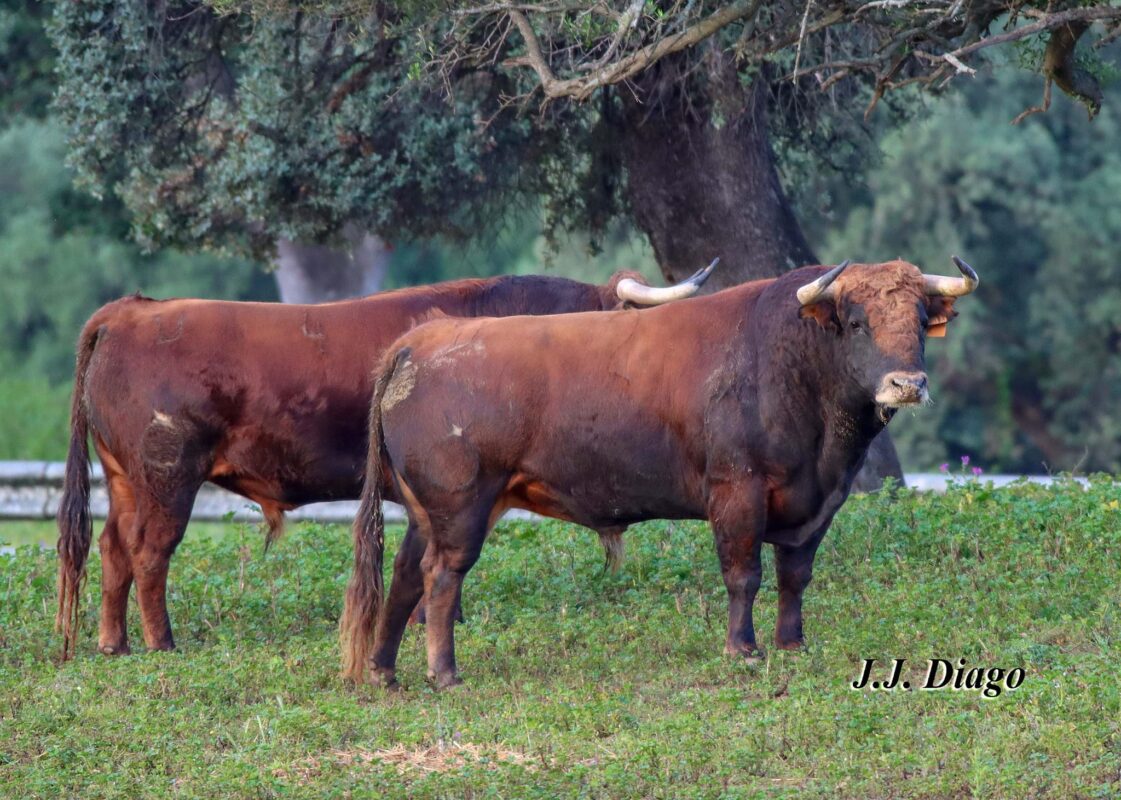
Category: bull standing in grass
<point>269,401</point>
<point>752,408</point>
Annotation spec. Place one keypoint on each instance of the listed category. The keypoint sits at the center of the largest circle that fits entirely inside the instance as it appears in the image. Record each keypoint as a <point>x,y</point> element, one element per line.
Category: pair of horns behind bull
<point>630,290</point>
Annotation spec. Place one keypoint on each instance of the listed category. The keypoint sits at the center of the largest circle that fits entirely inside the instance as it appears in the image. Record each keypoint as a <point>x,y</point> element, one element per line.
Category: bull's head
<point>881,315</point>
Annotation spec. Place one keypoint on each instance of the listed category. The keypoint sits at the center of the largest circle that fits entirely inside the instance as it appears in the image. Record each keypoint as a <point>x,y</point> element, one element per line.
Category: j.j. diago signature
<point>941,673</point>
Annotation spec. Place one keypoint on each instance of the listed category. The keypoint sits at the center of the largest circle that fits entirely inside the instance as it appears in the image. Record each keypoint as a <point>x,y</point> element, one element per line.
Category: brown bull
<point>752,408</point>
<point>268,401</point>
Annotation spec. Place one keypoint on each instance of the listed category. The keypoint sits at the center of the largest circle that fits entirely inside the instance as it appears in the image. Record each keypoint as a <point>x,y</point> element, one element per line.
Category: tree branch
<point>925,41</point>
<point>621,70</point>
<point>1046,23</point>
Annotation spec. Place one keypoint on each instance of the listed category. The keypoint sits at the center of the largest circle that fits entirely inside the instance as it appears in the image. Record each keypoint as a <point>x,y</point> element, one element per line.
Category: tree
<point>1029,377</point>
<point>242,123</point>
<point>26,60</point>
<point>222,128</point>
<point>64,255</point>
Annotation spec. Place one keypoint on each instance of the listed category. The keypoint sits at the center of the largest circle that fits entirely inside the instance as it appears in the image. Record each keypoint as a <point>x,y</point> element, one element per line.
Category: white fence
<point>31,490</point>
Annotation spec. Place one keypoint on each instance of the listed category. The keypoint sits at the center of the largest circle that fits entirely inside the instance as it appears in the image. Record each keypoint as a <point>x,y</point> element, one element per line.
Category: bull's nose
<point>909,380</point>
<point>899,389</point>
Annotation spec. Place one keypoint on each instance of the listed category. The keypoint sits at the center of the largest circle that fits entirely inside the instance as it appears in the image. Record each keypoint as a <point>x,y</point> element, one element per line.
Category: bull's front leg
<point>794,569</point>
<point>737,513</point>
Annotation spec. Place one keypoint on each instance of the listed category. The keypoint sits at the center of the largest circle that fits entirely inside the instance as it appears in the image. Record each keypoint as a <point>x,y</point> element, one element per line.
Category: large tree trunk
<point>318,273</point>
<point>701,190</point>
<point>702,183</point>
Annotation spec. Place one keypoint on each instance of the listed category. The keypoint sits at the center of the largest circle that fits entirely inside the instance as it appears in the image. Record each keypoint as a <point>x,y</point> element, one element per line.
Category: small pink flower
<point>944,468</point>
<point>977,472</point>
<point>965,461</point>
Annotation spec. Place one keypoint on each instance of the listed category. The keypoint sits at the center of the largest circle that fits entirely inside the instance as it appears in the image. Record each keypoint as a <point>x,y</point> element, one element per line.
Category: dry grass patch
<point>440,757</point>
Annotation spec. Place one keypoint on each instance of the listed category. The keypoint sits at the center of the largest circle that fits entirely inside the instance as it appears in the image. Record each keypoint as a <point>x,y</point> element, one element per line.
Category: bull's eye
<point>855,325</point>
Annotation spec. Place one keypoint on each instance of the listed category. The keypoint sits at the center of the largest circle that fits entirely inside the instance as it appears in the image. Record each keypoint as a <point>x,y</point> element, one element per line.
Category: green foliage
<point>65,254</point>
<point>520,249</point>
<point>34,419</point>
<point>26,60</point>
<point>585,684</point>
<point>1027,374</point>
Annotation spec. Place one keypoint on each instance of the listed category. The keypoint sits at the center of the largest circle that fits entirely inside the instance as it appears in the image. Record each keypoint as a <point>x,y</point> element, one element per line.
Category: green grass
<point>33,532</point>
<point>581,684</point>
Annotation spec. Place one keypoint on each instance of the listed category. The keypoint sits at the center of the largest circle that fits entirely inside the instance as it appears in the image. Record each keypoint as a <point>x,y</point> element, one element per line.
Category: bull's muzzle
<point>899,389</point>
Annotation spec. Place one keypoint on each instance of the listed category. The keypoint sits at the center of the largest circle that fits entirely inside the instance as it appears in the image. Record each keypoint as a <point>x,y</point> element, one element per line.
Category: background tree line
<point>209,139</point>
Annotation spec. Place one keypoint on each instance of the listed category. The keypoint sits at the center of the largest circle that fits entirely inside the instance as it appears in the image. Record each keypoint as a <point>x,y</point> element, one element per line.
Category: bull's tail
<point>75,527</point>
<point>364,592</point>
<point>274,524</point>
<point>614,551</point>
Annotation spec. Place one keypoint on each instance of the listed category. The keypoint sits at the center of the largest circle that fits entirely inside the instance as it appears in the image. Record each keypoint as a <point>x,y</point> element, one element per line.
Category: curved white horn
<point>630,290</point>
<point>820,289</point>
<point>943,286</point>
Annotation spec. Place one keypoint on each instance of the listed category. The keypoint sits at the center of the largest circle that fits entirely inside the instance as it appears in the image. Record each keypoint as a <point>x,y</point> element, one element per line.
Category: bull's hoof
<point>445,680</point>
<point>749,652</point>
<point>385,679</point>
<point>789,644</point>
<point>114,649</point>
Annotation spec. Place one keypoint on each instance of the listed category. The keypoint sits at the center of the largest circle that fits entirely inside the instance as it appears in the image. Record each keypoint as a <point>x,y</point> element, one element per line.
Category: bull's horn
<point>630,290</point>
<point>952,287</point>
<point>820,289</point>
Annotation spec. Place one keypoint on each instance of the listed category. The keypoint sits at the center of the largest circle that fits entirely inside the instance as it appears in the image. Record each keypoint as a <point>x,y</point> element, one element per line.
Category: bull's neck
<point>829,406</point>
<point>515,295</point>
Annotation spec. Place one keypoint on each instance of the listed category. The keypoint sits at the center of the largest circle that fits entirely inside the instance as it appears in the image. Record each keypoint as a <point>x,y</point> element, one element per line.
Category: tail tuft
<point>274,524</point>
<point>75,525</point>
<point>614,551</point>
<point>365,591</point>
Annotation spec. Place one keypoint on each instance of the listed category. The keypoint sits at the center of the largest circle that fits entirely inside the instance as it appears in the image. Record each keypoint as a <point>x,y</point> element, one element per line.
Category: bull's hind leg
<point>161,528</point>
<point>453,548</point>
<point>175,457</point>
<point>116,580</point>
<point>116,568</point>
<point>420,617</point>
<point>405,591</point>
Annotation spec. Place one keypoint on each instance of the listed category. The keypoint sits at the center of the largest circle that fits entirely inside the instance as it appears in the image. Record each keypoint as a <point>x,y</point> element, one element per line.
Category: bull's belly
<point>290,476</point>
<point>630,471</point>
<point>287,494</point>
<point>594,504</point>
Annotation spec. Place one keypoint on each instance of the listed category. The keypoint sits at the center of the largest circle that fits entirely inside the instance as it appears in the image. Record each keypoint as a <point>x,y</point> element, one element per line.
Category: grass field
<point>583,684</point>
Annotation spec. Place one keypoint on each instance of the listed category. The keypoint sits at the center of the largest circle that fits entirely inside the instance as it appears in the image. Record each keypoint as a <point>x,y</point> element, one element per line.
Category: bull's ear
<point>939,312</point>
<point>824,312</point>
